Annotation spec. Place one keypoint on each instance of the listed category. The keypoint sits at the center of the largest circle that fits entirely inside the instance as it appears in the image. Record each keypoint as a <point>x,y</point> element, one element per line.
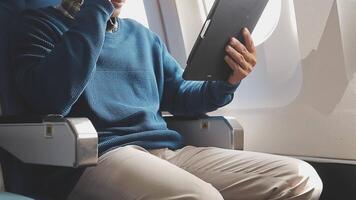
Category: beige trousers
<point>195,173</point>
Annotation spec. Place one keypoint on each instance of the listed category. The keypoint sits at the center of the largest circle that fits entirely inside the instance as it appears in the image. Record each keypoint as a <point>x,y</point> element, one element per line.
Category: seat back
<point>9,10</point>
<point>10,103</point>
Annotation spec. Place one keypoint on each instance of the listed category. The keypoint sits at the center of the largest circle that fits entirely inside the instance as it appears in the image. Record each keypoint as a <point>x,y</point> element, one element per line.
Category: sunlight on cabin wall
<point>301,98</point>
<point>277,79</point>
<point>346,10</point>
<point>190,21</point>
<point>135,9</point>
<point>265,26</point>
<point>318,119</point>
<point>268,22</point>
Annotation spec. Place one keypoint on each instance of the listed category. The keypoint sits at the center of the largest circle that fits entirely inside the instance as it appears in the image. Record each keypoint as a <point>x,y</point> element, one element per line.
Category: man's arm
<point>182,97</point>
<point>52,70</point>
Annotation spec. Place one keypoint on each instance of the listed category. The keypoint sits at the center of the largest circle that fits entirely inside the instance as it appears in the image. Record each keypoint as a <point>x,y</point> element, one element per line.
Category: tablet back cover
<point>225,20</point>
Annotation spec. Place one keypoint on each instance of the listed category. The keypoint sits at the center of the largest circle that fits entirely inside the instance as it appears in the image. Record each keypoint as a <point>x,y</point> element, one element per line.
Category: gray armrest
<point>68,142</point>
<point>209,131</point>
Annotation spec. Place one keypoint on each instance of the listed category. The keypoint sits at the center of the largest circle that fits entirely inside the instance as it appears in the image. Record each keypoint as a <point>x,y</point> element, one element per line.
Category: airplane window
<point>278,19</point>
<point>267,23</point>
<point>207,5</point>
<point>135,9</point>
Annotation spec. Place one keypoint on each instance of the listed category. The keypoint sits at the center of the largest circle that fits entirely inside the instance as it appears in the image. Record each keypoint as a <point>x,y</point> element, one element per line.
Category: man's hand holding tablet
<point>240,58</point>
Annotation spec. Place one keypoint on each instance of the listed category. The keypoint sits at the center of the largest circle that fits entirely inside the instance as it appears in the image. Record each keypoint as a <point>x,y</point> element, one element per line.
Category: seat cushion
<point>10,196</point>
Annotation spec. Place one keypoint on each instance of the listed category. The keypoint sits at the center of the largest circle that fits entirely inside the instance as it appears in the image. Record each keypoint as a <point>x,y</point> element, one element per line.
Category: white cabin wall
<point>320,120</point>
<point>135,9</point>
<point>164,21</point>
<point>277,79</point>
<point>311,29</point>
<point>347,16</point>
<point>301,99</point>
<point>173,30</point>
<point>191,18</point>
<point>154,18</point>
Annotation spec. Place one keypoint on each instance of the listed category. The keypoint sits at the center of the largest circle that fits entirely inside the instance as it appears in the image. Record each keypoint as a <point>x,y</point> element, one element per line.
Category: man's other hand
<point>241,59</point>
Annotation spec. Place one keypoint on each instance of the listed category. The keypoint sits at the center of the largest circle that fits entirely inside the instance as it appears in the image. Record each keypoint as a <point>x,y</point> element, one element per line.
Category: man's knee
<point>206,192</point>
<point>314,182</point>
<point>301,181</point>
<point>190,191</point>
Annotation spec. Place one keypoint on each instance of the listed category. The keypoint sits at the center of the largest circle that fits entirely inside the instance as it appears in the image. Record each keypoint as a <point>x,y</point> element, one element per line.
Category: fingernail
<point>228,47</point>
<point>232,41</point>
<point>246,30</point>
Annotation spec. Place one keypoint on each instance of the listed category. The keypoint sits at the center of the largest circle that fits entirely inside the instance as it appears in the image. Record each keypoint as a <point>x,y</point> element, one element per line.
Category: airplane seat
<point>14,124</point>
<point>10,103</point>
<point>54,140</point>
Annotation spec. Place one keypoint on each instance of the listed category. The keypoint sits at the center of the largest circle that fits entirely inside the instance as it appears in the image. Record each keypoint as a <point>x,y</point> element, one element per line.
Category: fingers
<point>241,58</point>
<point>249,41</point>
<point>238,58</point>
<point>248,56</point>
<point>235,67</point>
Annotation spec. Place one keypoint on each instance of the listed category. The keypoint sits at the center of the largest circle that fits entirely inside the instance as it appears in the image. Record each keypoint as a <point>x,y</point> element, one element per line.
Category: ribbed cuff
<point>225,87</point>
<point>104,5</point>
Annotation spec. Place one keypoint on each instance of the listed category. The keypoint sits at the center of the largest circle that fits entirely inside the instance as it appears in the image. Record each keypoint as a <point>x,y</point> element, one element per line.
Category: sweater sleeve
<point>51,70</point>
<point>191,98</point>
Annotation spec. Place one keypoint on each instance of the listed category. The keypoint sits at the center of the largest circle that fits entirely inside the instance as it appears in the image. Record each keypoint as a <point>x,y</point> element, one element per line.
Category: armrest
<point>52,140</point>
<point>209,131</point>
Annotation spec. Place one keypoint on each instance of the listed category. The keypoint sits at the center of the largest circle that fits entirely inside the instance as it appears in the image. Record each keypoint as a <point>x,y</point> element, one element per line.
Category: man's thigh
<point>248,175</point>
<point>133,173</point>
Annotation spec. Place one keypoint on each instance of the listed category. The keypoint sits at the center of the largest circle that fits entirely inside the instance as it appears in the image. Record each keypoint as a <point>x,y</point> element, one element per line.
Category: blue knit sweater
<point>121,81</point>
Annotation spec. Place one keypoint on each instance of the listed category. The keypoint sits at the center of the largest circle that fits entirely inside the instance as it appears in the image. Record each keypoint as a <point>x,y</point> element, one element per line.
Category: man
<point>80,59</point>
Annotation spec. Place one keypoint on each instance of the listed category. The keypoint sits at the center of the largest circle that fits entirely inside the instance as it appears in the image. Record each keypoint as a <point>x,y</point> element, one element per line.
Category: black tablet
<point>226,19</point>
